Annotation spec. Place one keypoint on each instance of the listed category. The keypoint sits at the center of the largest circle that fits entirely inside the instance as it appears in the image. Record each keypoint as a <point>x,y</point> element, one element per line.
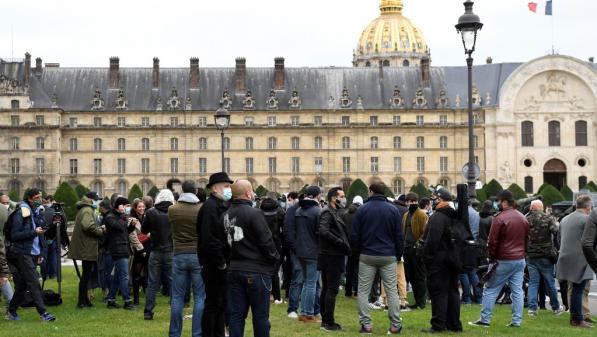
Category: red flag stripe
<point>533,7</point>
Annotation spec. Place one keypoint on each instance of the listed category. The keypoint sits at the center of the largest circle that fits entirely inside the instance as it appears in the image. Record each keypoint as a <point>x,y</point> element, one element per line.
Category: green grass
<point>99,321</point>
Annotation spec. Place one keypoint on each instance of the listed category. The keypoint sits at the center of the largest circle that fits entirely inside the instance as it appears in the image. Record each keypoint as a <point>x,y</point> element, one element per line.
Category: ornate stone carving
<point>188,105</point>
<point>576,103</point>
<point>420,101</point>
<point>442,101</point>
<point>396,101</point>
<point>506,173</point>
<point>54,100</point>
<point>158,104</point>
<point>226,100</point>
<point>249,101</point>
<point>272,102</point>
<point>360,105</point>
<point>531,104</point>
<point>97,103</point>
<point>554,88</point>
<point>11,87</point>
<point>331,103</point>
<point>476,97</point>
<point>345,101</point>
<point>457,101</point>
<point>173,101</point>
<point>121,102</point>
<point>295,101</point>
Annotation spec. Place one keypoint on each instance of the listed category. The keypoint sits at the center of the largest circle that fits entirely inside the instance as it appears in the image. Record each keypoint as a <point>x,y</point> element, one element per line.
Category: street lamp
<point>468,25</point>
<point>222,120</point>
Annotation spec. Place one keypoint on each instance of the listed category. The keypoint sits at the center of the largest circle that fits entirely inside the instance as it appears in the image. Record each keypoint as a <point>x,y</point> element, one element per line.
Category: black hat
<point>443,194</point>
<point>220,177</point>
<point>505,195</point>
<point>93,196</point>
<point>121,201</point>
<point>313,191</point>
<point>105,204</point>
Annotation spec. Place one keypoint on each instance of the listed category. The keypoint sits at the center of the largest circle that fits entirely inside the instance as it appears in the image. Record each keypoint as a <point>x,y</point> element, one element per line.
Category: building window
<point>526,133</point>
<point>420,120</point>
<point>396,121</point>
<point>317,120</point>
<point>226,143</point>
<point>145,122</point>
<point>296,165</point>
<point>405,63</point>
<point>420,164</point>
<point>582,182</point>
<point>73,144</point>
<point>397,186</point>
<point>272,165</point>
<point>73,122</point>
<point>121,188</point>
<point>443,120</point>
<point>374,165</point>
<point>40,120</point>
<point>318,143</point>
<point>443,142</point>
<point>145,144</point>
<point>39,143</point>
<point>345,165</point>
<point>97,187</point>
<point>443,164</point>
<point>386,63</point>
<point>397,164</point>
<point>318,164</point>
<point>345,143</point>
<point>296,143</point>
<point>121,121</point>
<point>444,182</point>
<point>476,159</point>
<point>97,166</point>
<point>14,143</point>
<point>14,104</point>
<point>249,121</point>
<point>145,165</point>
<point>554,133</point>
<point>420,142</point>
<point>15,166</point>
<point>345,120</point>
<point>476,119</point>
<point>40,165</point>
<point>202,122</point>
<point>202,165</point>
<point>202,143</point>
<point>227,165</point>
<point>271,121</point>
<point>294,120</point>
<point>14,120</point>
<point>373,120</point>
<point>74,167</point>
<point>97,122</point>
<point>528,184</point>
<point>173,121</point>
<point>121,165</point>
<point>374,143</point>
<point>272,143</point>
<point>174,165</point>
<point>249,166</point>
<point>249,143</point>
<point>476,141</point>
<point>121,144</point>
<point>97,144</point>
<point>580,129</point>
<point>174,144</point>
<point>145,187</point>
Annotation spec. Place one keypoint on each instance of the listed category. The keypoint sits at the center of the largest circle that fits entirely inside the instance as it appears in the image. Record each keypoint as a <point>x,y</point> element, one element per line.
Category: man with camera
<point>27,228</point>
<point>55,217</point>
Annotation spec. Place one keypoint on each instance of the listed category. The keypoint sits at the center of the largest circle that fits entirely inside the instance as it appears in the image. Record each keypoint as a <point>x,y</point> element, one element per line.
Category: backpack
<point>7,230</point>
<point>463,250</point>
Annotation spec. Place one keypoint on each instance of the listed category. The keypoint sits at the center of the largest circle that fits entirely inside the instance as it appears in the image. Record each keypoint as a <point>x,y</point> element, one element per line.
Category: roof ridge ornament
<point>345,100</point>
<point>396,101</point>
<point>295,101</point>
<point>442,101</point>
<point>226,100</point>
<point>121,101</point>
<point>173,102</point>
<point>420,101</point>
<point>272,101</point>
<point>97,103</point>
<point>249,101</point>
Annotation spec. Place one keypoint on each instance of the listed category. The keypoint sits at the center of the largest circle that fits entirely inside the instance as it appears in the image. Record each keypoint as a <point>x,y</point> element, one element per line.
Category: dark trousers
<point>414,268</point>
<point>286,271</point>
<point>564,294</point>
<point>88,268</point>
<point>352,275</point>
<point>249,290</point>
<point>576,313</point>
<point>216,301</point>
<point>24,275</point>
<point>331,268</point>
<point>139,274</point>
<point>276,293</point>
<point>445,300</point>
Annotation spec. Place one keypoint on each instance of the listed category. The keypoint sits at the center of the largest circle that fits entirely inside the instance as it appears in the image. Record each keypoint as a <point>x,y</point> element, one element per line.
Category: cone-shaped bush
<point>357,187</point>
<point>81,190</point>
<point>261,191</point>
<point>14,196</point>
<point>388,192</point>
<point>153,192</point>
<point>135,193</point>
<point>481,196</point>
<point>492,188</point>
<point>67,194</point>
<point>517,191</point>
<point>567,192</point>
<point>591,186</point>
<point>421,190</point>
<point>551,195</point>
<point>542,187</point>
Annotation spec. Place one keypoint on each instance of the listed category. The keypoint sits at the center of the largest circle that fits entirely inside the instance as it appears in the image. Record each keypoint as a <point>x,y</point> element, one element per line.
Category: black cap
<point>93,196</point>
<point>443,194</point>
<point>505,195</point>
<point>313,191</point>
<point>220,177</point>
<point>105,204</point>
<point>121,201</point>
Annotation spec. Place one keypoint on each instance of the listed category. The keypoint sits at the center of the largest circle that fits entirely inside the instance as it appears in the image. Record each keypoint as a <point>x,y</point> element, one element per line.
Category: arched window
<point>97,187</point>
<point>554,133</point>
<point>528,184</point>
<point>397,142</point>
<point>145,186</point>
<point>272,143</point>
<point>249,143</point>
<point>345,183</point>
<point>580,130</point>
<point>318,143</point>
<point>226,143</point>
<point>145,144</point>
<point>345,143</point>
<point>443,142</point>
<point>40,184</point>
<point>405,63</point>
<point>526,133</point>
<point>174,144</point>
<point>420,142</point>
<point>368,64</point>
<point>202,143</point>
<point>444,182</point>
<point>398,186</point>
<point>121,187</point>
<point>121,144</point>
<point>386,63</point>
<point>374,142</point>
<point>295,143</point>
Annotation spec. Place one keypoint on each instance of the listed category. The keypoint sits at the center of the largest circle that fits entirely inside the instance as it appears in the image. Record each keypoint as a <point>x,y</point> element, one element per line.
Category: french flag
<point>542,7</point>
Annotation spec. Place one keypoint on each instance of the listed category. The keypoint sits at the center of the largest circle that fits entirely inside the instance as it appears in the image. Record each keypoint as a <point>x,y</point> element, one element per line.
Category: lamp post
<point>222,120</point>
<point>468,25</point>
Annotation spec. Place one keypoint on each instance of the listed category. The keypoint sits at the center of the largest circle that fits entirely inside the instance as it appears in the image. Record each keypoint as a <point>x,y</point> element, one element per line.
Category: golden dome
<point>391,38</point>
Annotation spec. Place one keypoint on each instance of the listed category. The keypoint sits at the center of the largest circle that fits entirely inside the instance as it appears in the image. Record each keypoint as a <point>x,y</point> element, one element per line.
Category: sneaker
<point>331,327</point>
<point>293,315</point>
<point>366,329</point>
<point>581,324</point>
<point>12,316</point>
<point>128,305</point>
<point>308,319</point>
<point>112,305</point>
<point>532,313</point>
<point>479,323</point>
<point>278,302</point>
<point>512,325</point>
<point>559,311</point>
<point>47,317</point>
<point>375,306</point>
<point>394,330</point>
<point>404,308</point>
<point>148,315</point>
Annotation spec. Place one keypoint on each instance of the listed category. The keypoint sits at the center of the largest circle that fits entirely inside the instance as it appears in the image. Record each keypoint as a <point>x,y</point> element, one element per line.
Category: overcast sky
<point>306,32</point>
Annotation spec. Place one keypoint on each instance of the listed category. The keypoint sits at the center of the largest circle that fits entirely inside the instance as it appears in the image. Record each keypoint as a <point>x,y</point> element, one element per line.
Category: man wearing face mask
<point>414,223</point>
<point>214,253</point>
<point>334,246</point>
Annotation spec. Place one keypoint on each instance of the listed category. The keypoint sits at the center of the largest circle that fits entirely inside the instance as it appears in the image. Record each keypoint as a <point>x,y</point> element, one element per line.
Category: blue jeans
<point>158,262</point>
<point>537,268</point>
<point>120,280</point>
<point>578,290</point>
<point>49,266</point>
<point>512,273</point>
<point>7,292</point>
<point>107,266</point>
<point>296,287</point>
<point>470,280</point>
<point>249,290</point>
<point>309,292</point>
<point>186,272</point>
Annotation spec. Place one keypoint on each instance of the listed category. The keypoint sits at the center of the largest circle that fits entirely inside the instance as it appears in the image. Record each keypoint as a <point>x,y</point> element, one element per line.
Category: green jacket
<point>4,271</point>
<point>183,219</point>
<point>85,241</point>
<point>3,218</point>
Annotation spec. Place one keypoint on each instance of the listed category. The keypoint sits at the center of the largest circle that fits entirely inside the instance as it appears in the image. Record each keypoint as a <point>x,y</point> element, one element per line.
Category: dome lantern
<point>390,6</point>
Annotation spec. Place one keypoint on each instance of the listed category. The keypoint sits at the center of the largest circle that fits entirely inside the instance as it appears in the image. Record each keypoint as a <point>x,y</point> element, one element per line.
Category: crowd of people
<point>233,253</point>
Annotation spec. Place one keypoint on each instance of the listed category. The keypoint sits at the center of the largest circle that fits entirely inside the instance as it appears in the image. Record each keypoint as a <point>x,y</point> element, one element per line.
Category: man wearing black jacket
<point>253,260</point>
<point>213,251</point>
<point>442,282</point>
<point>274,215</point>
<point>334,246</point>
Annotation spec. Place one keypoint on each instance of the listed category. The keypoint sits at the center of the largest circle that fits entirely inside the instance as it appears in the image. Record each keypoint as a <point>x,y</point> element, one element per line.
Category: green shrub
<point>14,196</point>
<point>567,192</point>
<point>388,192</point>
<point>261,191</point>
<point>81,190</point>
<point>421,190</point>
<point>492,188</point>
<point>66,194</point>
<point>517,191</point>
<point>135,193</point>
<point>551,195</point>
<point>153,192</point>
<point>304,189</point>
<point>481,196</point>
<point>542,187</point>
<point>591,187</point>
<point>357,187</point>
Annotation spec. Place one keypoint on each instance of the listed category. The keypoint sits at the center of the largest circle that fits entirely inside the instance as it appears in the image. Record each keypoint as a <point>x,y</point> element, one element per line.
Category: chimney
<point>425,65</point>
<point>27,67</point>
<point>241,75</point>
<point>591,59</point>
<point>155,79</point>
<point>114,78</point>
<point>489,60</point>
<point>194,75</point>
<point>38,69</point>
<point>279,73</point>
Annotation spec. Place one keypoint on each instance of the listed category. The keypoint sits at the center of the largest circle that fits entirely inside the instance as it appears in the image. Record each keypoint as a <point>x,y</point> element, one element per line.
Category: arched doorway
<point>554,173</point>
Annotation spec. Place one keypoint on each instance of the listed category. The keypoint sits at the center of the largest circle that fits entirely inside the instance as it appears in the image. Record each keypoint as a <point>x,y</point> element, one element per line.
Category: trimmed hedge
<point>135,193</point>
<point>67,194</point>
<point>591,187</point>
<point>261,191</point>
<point>517,191</point>
<point>81,190</point>
<point>567,192</point>
<point>551,195</point>
<point>357,187</point>
<point>421,190</point>
<point>14,196</point>
<point>481,196</point>
<point>153,192</point>
<point>492,188</point>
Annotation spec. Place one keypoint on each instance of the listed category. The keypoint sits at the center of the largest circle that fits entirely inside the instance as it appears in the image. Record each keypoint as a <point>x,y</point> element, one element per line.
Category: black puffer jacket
<point>274,215</point>
<point>306,220</point>
<point>437,239</point>
<point>347,218</point>
<point>484,228</point>
<point>333,235</point>
<point>156,222</point>
<point>117,234</point>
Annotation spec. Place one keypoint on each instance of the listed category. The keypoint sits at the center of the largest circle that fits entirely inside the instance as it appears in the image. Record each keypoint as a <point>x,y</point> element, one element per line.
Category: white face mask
<point>6,206</point>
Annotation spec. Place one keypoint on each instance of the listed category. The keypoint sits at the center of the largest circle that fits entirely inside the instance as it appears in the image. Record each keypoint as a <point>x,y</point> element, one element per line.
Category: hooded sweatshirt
<point>156,223</point>
<point>183,221</point>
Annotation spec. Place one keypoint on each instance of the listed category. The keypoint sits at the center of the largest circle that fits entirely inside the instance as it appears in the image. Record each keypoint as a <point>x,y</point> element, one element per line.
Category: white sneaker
<point>293,315</point>
<point>532,313</point>
<point>375,306</point>
<point>278,302</point>
<point>560,310</point>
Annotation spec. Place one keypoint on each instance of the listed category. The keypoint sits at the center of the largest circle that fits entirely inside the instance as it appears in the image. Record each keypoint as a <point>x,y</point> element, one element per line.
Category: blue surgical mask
<point>95,204</point>
<point>227,193</point>
<point>283,205</point>
<point>127,210</point>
